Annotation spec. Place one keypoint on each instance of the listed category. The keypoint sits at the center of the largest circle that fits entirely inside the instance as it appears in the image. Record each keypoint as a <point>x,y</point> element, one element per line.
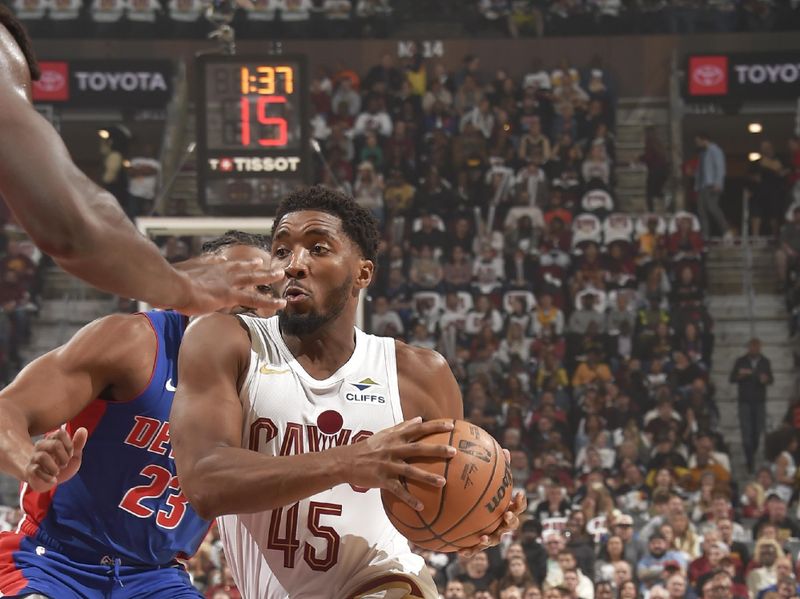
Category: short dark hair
<point>234,237</point>
<point>20,35</point>
<point>357,223</point>
<point>702,134</point>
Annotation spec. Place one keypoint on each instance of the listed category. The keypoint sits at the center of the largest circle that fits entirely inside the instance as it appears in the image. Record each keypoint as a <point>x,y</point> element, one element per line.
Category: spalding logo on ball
<point>471,504</point>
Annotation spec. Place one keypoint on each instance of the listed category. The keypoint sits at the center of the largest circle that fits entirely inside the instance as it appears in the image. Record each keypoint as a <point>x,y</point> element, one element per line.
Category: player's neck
<point>327,349</point>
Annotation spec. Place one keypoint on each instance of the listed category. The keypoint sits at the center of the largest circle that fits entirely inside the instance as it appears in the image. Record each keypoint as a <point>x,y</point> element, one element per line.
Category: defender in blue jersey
<point>104,514</point>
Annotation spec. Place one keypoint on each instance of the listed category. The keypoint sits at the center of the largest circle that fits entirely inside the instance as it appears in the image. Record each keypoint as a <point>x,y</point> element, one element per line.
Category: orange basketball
<point>472,502</point>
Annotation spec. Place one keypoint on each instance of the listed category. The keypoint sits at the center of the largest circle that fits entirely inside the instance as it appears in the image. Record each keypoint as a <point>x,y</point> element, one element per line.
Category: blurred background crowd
<point>380,18</point>
<point>580,332</point>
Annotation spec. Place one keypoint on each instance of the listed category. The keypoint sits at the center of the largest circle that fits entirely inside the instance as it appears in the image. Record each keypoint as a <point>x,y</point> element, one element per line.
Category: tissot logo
<point>254,164</point>
<point>708,75</point>
<point>53,85</point>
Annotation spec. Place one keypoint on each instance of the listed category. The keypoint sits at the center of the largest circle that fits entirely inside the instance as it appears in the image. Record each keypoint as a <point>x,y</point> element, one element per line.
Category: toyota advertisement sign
<point>762,76</point>
<point>105,83</point>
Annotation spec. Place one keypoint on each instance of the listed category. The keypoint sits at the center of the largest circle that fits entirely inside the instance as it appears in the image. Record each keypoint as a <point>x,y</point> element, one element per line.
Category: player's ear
<point>366,270</point>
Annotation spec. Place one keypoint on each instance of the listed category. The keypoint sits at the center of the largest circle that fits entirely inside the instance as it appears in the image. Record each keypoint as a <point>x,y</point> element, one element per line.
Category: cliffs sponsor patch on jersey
<point>368,392</point>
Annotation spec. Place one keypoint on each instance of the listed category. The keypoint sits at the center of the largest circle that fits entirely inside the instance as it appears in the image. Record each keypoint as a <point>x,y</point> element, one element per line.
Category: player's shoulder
<point>223,331</point>
<point>418,362</point>
<point>426,383</point>
<point>116,341</point>
<point>123,329</point>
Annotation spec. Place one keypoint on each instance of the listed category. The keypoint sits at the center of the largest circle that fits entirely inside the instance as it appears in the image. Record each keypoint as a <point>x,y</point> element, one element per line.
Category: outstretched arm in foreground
<point>83,227</point>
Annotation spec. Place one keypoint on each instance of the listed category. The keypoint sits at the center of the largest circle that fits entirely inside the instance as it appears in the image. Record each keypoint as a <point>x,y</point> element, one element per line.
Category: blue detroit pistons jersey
<point>125,501</point>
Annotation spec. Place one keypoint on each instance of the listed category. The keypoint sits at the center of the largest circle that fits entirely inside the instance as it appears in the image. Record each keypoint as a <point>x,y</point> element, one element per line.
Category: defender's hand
<point>379,461</point>
<point>55,459</point>
<point>214,283</point>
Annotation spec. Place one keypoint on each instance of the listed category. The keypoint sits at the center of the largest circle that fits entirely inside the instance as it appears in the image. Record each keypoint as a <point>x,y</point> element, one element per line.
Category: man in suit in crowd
<point>752,373</point>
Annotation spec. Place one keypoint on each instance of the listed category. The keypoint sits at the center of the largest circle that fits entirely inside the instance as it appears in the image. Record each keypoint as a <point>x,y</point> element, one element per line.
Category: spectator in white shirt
<point>453,314</point>
<point>437,92</point>
<point>597,167</point>
<point>296,11</point>
<point>295,17</point>
<point>481,117</point>
<point>142,15</point>
<point>106,14</point>
<point>705,456</point>
<point>488,270</point>
<point>143,174</point>
<point>374,119</point>
<point>531,180</point>
<point>30,10</point>
<point>64,15</point>
<point>483,313</point>
<point>373,8</point>
<point>515,343</point>
<point>338,9</point>
<point>369,190</point>
<point>345,93</point>
<point>385,321</point>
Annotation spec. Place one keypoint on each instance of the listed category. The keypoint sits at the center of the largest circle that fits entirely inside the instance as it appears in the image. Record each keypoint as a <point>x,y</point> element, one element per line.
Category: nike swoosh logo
<point>269,370</point>
<point>170,387</point>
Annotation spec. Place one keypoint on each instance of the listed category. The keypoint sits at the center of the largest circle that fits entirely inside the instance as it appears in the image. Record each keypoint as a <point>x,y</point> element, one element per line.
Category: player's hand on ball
<point>55,459</point>
<point>379,461</point>
<point>509,523</point>
<point>215,283</point>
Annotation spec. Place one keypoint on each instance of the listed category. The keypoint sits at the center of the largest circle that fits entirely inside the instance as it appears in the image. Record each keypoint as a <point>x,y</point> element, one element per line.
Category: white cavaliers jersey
<point>339,543</point>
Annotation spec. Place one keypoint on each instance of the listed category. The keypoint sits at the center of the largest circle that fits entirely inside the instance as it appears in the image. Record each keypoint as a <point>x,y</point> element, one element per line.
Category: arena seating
<point>578,332</point>
<point>378,18</point>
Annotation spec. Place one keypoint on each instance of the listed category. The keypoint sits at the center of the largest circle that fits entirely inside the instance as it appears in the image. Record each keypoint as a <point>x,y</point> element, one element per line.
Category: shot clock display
<point>252,130</point>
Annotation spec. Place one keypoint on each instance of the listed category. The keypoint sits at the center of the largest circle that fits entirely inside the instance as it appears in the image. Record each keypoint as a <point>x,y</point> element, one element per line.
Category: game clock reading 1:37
<point>252,131</point>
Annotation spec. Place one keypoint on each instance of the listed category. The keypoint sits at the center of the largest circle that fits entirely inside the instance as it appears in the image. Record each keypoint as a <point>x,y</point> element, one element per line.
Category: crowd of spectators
<point>371,18</point>
<point>190,18</point>
<point>779,180</point>
<point>19,289</point>
<point>603,17</point>
<point>579,334</point>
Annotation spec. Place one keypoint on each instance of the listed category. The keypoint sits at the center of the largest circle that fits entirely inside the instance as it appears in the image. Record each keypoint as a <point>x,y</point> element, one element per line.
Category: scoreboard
<point>252,131</point>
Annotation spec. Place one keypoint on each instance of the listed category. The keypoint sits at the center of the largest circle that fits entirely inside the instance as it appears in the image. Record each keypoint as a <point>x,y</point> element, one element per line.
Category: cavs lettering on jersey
<point>125,501</point>
<point>339,543</point>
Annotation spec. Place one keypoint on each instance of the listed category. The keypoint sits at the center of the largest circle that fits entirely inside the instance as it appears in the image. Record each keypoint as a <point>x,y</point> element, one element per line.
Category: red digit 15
<point>261,115</point>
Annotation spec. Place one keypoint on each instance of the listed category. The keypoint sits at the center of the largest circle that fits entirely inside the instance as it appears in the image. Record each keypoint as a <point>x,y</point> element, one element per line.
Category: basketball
<point>472,502</point>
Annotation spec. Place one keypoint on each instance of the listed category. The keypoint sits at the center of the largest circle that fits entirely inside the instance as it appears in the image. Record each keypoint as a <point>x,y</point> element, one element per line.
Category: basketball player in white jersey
<point>260,399</point>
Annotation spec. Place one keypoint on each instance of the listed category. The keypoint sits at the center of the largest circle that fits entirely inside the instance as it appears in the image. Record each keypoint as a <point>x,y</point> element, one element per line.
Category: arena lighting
<point>755,127</point>
<point>104,134</point>
<point>753,156</point>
